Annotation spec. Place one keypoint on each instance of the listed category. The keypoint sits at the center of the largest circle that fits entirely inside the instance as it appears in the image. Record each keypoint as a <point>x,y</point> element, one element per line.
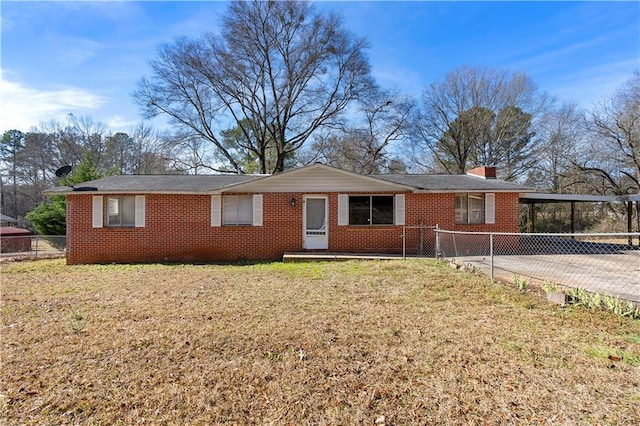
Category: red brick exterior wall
<point>487,172</point>
<point>178,229</point>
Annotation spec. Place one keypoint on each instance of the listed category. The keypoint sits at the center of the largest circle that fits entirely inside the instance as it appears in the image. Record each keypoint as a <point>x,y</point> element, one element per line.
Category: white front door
<point>315,223</point>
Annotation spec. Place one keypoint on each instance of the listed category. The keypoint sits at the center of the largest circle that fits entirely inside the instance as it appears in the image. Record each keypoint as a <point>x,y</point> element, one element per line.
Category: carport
<point>533,198</point>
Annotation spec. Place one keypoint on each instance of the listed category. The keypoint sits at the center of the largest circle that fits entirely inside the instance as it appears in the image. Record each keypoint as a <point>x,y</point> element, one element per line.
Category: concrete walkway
<point>324,256</point>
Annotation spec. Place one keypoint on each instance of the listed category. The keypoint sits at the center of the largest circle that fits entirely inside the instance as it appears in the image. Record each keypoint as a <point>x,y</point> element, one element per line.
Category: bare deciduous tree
<point>141,152</point>
<point>480,116</point>
<point>561,133</point>
<point>614,127</point>
<point>76,139</point>
<point>379,122</point>
<point>278,71</point>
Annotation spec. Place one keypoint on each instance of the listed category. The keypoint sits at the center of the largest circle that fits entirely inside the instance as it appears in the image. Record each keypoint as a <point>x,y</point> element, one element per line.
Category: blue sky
<point>85,57</point>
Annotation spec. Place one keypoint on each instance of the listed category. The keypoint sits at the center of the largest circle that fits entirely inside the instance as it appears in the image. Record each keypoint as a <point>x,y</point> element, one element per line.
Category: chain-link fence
<point>32,246</point>
<point>419,241</point>
<point>607,264</point>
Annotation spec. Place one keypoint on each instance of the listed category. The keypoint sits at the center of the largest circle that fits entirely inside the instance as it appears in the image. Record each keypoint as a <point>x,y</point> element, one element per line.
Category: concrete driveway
<point>616,274</point>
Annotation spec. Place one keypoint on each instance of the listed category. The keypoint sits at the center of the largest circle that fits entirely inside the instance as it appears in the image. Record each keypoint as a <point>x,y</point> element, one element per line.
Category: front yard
<point>369,342</point>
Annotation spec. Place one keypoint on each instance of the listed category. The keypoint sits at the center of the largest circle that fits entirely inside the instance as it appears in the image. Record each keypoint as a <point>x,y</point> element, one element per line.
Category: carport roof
<point>454,183</point>
<point>534,198</point>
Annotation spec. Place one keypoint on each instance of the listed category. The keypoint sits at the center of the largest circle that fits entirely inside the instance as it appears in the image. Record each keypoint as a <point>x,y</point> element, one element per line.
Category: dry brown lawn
<point>359,342</point>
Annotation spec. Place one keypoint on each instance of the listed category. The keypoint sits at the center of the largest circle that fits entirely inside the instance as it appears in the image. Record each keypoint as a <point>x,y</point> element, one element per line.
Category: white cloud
<point>118,123</point>
<point>22,107</point>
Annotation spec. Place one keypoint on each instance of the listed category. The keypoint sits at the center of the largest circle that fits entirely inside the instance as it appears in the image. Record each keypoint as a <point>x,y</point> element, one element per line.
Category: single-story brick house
<point>204,218</point>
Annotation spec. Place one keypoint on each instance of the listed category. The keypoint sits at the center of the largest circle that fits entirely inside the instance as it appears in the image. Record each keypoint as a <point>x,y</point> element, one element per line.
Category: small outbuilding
<point>14,240</point>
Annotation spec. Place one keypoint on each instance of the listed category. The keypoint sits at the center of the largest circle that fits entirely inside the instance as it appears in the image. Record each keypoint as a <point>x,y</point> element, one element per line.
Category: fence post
<point>491,254</point>
<point>630,222</point>
<point>37,239</point>
<point>437,242</point>
<point>404,242</point>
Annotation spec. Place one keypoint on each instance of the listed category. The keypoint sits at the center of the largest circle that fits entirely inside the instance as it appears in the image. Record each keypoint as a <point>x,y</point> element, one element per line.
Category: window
<point>470,208</point>
<point>233,210</point>
<point>371,210</point>
<point>121,211</point>
<point>237,210</point>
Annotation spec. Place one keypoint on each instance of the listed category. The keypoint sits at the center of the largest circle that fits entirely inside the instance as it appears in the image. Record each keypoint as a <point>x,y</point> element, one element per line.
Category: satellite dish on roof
<point>63,171</point>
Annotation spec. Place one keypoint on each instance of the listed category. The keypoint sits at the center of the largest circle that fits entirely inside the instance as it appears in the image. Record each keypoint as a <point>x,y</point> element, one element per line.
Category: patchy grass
<point>393,342</point>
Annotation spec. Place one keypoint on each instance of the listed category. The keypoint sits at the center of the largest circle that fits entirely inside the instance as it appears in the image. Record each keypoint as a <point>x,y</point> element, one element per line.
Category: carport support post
<point>630,221</point>
<point>491,255</point>
<point>638,219</point>
<point>531,220</point>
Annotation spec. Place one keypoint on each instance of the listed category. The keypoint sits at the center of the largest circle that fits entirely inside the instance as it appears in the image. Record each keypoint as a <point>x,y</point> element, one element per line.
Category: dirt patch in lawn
<point>371,342</point>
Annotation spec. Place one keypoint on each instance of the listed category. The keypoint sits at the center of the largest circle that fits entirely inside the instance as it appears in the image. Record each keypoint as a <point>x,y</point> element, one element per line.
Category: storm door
<point>315,222</point>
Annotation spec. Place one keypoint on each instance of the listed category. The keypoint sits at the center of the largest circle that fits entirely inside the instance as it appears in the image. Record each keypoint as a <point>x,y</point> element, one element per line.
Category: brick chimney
<point>486,172</point>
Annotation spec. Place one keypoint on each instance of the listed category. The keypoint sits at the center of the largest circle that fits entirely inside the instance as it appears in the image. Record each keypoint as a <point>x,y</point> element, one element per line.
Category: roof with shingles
<point>12,230</point>
<point>204,184</point>
<point>453,183</point>
<point>5,218</point>
<point>157,183</point>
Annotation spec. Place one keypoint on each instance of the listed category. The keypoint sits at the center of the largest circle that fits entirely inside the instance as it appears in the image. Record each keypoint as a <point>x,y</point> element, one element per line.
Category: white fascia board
<point>136,192</point>
<point>234,185</point>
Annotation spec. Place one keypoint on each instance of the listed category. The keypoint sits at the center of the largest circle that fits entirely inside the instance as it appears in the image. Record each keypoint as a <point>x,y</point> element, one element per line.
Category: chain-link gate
<point>419,241</point>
